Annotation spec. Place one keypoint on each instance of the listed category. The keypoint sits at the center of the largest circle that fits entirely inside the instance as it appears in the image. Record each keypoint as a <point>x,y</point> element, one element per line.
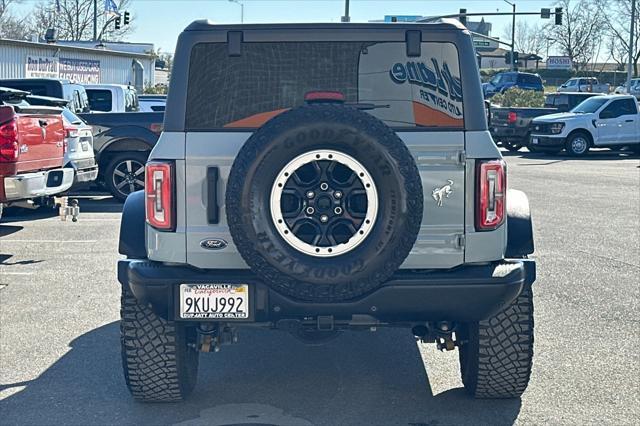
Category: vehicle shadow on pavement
<point>268,378</point>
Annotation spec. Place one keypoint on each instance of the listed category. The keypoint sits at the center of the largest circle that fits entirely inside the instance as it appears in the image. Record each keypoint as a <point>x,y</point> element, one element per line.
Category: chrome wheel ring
<point>343,200</point>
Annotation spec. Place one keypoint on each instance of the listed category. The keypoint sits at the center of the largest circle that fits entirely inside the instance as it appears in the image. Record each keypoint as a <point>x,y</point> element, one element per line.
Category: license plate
<point>534,141</point>
<point>214,301</point>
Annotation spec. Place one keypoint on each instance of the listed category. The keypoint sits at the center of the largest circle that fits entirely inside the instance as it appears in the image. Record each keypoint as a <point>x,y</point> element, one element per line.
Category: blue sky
<point>160,21</point>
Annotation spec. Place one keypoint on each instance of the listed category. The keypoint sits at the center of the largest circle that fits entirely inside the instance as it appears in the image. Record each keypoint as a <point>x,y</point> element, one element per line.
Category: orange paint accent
<point>427,116</point>
<point>256,120</point>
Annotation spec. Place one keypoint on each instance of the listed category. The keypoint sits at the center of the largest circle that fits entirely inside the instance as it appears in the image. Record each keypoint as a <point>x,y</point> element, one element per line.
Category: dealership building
<point>113,63</point>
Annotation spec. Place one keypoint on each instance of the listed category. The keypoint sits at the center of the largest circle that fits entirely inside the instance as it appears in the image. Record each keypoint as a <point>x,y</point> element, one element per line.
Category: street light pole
<point>346,17</point>
<point>95,20</point>
<point>241,9</point>
<point>631,50</point>
<point>513,35</point>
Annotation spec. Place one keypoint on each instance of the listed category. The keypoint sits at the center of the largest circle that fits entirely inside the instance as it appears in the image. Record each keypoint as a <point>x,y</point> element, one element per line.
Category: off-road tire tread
<point>501,352</point>
<point>153,358</point>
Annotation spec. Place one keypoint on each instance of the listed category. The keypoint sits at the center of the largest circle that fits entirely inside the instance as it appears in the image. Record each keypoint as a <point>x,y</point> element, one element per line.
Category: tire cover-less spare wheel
<point>324,202</point>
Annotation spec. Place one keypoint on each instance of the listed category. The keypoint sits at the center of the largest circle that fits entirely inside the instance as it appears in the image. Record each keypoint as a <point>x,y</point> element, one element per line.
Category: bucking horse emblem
<point>439,194</point>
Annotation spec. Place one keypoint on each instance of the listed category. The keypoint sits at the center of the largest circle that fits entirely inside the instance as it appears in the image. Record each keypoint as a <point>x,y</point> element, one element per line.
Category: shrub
<point>515,97</point>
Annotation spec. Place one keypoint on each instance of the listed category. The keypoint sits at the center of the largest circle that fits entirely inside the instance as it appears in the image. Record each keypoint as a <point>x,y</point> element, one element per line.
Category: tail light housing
<point>512,117</point>
<point>491,194</point>
<point>159,195</point>
<point>156,128</point>
<point>9,146</point>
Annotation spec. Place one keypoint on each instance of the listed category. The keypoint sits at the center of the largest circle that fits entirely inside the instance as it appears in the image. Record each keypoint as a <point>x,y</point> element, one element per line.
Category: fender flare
<point>132,242</point>
<point>519,225</point>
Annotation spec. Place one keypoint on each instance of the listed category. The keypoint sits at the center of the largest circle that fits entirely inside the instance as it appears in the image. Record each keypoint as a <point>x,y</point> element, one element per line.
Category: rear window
<point>99,100</point>
<point>530,79</point>
<point>269,78</point>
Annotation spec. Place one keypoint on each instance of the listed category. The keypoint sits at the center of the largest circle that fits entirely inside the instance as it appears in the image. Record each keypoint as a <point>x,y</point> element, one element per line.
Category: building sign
<point>483,44</point>
<point>559,63</point>
<point>84,71</point>
<point>41,67</point>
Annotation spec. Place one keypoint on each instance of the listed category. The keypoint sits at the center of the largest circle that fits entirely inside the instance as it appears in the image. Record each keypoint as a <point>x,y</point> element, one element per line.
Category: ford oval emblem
<point>213,244</point>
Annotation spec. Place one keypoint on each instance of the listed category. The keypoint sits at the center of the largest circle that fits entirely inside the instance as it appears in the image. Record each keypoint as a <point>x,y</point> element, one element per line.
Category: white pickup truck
<point>584,84</point>
<point>608,121</point>
<point>112,98</point>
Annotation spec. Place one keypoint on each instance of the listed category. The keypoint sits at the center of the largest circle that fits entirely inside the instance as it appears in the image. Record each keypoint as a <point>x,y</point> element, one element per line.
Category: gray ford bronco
<point>320,178</point>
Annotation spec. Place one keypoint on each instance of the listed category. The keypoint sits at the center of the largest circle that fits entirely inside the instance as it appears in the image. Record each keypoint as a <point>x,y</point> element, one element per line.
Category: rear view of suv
<point>319,178</point>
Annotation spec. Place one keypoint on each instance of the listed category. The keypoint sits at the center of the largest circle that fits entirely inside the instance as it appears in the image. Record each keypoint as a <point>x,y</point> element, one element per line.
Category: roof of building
<point>62,47</point>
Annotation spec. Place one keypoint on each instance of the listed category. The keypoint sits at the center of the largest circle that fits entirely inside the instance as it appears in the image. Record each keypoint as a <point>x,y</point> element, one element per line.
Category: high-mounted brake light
<point>324,96</point>
<point>492,188</point>
<point>512,117</point>
<point>9,147</point>
<point>159,195</point>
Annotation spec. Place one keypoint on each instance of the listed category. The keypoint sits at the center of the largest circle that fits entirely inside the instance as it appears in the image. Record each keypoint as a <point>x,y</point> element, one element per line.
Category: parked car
<point>609,121</point>
<point>324,197</point>
<point>31,151</point>
<point>149,103</point>
<point>78,139</point>
<point>511,126</point>
<point>508,79</point>
<point>584,84</point>
<point>634,86</point>
<point>122,142</point>
<point>112,98</point>
<point>62,89</point>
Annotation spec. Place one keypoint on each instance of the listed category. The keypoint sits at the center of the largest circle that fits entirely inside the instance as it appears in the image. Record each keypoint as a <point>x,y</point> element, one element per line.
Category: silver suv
<point>320,178</point>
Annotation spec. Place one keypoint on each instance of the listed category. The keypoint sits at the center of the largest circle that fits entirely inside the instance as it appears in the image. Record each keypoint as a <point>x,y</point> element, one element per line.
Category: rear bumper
<point>86,170</point>
<point>510,134</point>
<point>37,184</point>
<point>467,293</point>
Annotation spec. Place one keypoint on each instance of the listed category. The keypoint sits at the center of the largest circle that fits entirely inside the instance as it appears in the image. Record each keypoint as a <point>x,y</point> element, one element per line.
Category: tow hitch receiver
<point>212,336</point>
<point>67,208</point>
<point>443,333</point>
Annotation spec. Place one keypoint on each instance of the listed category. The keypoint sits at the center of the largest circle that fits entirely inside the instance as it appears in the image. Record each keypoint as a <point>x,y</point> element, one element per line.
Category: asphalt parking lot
<point>59,310</point>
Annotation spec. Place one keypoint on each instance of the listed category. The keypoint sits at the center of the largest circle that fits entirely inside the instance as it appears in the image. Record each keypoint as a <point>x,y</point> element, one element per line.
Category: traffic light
<point>516,57</point>
<point>463,17</point>
<point>126,18</point>
<point>117,23</point>
<point>558,16</point>
<point>545,13</point>
<point>507,58</point>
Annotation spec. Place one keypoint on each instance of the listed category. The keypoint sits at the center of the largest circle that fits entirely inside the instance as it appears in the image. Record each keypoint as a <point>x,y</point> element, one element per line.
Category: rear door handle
<point>628,121</point>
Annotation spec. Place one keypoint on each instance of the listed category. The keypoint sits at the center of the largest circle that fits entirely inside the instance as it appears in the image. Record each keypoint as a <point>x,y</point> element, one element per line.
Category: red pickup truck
<point>31,150</point>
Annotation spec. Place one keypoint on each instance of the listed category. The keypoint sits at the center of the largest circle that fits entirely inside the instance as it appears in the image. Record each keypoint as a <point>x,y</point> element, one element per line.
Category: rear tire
<point>123,166</point>
<point>159,364</point>
<point>497,354</point>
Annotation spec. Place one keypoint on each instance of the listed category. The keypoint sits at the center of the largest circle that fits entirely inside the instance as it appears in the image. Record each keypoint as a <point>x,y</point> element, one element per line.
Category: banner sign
<point>41,67</point>
<point>83,71</point>
<point>559,63</point>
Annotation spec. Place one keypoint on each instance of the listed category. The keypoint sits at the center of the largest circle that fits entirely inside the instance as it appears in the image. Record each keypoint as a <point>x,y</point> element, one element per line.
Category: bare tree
<point>529,38</point>
<point>12,26</point>
<point>617,23</point>
<point>74,20</point>
<point>581,32</point>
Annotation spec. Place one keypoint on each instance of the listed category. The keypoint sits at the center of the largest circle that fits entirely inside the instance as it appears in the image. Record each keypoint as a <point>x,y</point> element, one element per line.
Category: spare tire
<point>324,202</point>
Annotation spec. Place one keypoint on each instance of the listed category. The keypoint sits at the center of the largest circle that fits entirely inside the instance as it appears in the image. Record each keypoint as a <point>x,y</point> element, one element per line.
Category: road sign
<point>482,44</point>
<point>559,63</point>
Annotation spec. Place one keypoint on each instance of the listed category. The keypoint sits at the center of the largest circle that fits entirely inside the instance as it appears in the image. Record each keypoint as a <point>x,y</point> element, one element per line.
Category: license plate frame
<point>211,292</point>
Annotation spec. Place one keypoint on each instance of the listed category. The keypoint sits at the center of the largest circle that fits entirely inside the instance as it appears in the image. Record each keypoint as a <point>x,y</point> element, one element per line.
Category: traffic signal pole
<point>631,49</point>
<point>95,20</point>
<point>513,38</point>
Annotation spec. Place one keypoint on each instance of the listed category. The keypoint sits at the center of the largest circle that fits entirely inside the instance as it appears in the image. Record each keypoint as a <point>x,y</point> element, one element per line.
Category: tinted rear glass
<point>269,78</point>
<point>99,100</point>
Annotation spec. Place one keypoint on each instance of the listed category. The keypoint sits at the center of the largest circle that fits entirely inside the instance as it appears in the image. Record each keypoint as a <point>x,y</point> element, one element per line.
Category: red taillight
<point>156,128</point>
<point>159,195</point>
<point>492,189</point>
<point>9,147</point>
<point>512,117</point>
